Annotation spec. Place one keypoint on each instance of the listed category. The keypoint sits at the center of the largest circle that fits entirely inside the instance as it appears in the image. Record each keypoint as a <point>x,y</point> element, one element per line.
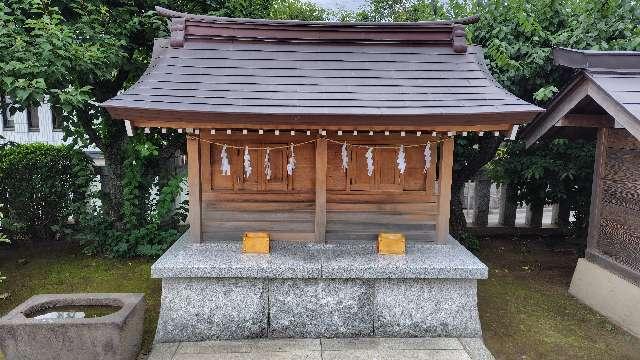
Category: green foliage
<point>517,37</point>
<point>297,10</point>
<point>150,222</point>
<point>42,186</point>
<point>469,241</point>
<point>3,239</point>
<point>561,171</point>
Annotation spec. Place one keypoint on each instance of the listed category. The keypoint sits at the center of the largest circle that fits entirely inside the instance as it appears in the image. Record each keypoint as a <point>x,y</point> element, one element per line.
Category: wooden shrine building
<point>318,133</point>
<point>604,96</point>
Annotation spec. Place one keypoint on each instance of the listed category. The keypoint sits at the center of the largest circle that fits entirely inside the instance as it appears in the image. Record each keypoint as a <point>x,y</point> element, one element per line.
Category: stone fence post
<point>508,206</point>
<point>482,197</point>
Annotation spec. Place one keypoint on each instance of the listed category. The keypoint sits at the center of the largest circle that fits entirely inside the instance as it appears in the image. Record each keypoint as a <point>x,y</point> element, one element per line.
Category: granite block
<point>396,355</point>
<point>224,259</point>
<point>426,308</point>
<point>320,308</point>
<point>311,261</point>
<point>391,344</point>
<point>422,260</point>
<point>249,345</point>
<point>197,309</point>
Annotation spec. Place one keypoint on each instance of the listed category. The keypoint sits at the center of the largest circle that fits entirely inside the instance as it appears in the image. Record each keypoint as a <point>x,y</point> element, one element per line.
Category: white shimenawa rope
<point>369,156</point>
<point>291,165</point>
<point>401,160</point>
<point>247,162</point>
<point>427,157</point>
<point>345,157</point>
<point>267,164</point>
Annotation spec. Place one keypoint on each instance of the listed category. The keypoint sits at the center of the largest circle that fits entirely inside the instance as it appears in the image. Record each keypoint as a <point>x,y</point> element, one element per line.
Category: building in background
<point>39,124</point>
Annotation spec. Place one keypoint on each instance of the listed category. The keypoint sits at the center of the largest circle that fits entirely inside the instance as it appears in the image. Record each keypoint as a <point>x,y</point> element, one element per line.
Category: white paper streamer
<point>427,157</point>
<point>291,165</point>
<point>345,157</point>
<point>369,156</point>
<point>401,160</point>
<point>224,161</point>
<point>267,165</point>
<point>247,162</point>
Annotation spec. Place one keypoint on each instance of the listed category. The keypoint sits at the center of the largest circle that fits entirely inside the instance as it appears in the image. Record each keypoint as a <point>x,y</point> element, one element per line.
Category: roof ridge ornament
<point>177,32</point>
<point>185,27</point>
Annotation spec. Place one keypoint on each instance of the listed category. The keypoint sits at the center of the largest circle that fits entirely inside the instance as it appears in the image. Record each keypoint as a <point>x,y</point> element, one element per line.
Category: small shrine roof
<point>216,71</point>
<point>607,84</point>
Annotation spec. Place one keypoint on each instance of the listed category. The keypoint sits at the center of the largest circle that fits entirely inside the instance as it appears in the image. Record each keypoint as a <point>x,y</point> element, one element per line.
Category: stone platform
<point>212,291</point>
<point>326,349</point>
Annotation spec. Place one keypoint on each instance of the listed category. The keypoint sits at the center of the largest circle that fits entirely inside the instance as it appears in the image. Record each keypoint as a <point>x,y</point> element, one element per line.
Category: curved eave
<point>173,118</point>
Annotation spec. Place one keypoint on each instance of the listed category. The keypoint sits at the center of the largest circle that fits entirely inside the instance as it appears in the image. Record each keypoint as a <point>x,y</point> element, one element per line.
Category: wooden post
<point>446,167</point>
<point>321,190</point>
<point>596,190</point>
<point>195,190</point>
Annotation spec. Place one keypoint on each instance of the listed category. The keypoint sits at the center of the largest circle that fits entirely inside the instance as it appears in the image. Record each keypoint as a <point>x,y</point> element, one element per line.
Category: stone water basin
<point>74,327</point>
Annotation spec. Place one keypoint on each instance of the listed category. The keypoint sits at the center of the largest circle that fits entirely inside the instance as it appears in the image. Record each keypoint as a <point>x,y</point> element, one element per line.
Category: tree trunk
<point>457,221</point>
<point>113,198</point>
<point>467,164</point>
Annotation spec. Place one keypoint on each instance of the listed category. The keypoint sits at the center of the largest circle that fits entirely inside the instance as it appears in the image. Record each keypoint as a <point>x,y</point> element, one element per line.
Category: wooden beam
<point>326,123</point>
<point>321,190</point>
<point>596,190</point>
<point>586,120</point>
<point>615,109</point>
<point>195,188</point>
<point>446,168</point>
<point>559,108</point>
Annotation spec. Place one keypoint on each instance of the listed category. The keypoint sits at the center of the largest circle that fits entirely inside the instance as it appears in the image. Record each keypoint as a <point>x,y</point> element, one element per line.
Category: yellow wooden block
<point>391,244</point>
<point>255,243</point>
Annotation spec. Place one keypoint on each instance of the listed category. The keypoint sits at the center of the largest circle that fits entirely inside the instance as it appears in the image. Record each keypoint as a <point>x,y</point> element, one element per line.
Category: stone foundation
<point>213,291</point>
<point>607,293</point>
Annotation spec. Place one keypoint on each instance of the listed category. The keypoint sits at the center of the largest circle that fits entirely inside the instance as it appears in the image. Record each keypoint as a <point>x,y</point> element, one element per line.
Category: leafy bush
<point>3,239</point>
<point>41,186</point>
<point>149,227</point>
<point>151,238</point>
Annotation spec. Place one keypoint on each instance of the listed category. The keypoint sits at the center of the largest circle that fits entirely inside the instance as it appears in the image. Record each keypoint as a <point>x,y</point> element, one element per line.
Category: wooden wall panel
<point>303,179</point>
<point>336,176</point>
<point>387,175</point>
<point>217,180</point>
<point>618,186</point>
<point>622,139</point>
<point>414,176</point>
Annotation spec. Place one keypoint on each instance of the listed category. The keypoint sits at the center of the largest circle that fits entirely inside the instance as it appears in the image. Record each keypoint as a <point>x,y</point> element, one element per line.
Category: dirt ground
<point>525,308</point>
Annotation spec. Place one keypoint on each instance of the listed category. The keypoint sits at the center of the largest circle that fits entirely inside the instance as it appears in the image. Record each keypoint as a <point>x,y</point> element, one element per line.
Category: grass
<point>525,308</point>
<point>64,269</point>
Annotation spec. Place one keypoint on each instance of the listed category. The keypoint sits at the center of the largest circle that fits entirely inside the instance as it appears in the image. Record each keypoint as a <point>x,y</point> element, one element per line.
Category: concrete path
<point>326,349</point>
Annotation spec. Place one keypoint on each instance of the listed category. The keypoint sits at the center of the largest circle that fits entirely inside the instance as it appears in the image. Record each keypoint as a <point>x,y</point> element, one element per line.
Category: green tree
<point>76,54</point>
<point>518,37</point>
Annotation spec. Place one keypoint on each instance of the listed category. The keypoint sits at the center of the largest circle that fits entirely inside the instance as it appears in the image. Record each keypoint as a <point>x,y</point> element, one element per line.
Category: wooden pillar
<point>596,190</point>
<point>444,205</point>
<point>482,197</point>
<point>508,206</point>
<point>195,189</point>
<point>321,190</point>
